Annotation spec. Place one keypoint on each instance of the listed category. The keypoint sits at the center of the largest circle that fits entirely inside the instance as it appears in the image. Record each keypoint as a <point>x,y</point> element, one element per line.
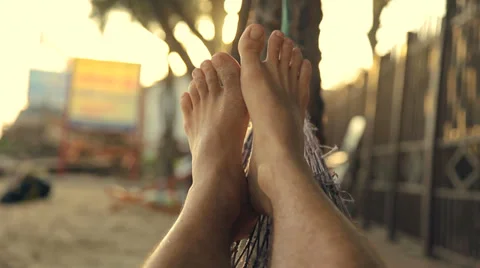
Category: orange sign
<point>104,94</point>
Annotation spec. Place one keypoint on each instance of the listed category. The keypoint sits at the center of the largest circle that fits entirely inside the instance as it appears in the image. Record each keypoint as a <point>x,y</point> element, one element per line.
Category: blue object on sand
<point>29,188</point>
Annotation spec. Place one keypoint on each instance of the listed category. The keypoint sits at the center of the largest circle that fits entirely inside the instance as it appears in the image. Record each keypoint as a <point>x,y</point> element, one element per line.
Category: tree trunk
<point>309,17</point>
<point>167,151</point>
<point>218,16</point>
<point>269,13</point>
<point>378,6</point>
<point>304,30</point>
<point>161,16</point>
<point>244,16</point>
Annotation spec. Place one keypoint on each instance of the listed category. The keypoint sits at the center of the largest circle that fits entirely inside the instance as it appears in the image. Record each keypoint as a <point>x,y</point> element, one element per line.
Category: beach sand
<point>76,229</point>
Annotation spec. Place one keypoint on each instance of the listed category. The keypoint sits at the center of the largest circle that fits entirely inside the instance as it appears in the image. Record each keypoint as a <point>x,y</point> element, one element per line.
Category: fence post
<point>437,82</point>
<point>394,139</point>
<point>366,154</point>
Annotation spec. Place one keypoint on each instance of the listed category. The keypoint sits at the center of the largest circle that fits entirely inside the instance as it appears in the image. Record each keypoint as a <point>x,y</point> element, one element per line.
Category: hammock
<point>254,251</point>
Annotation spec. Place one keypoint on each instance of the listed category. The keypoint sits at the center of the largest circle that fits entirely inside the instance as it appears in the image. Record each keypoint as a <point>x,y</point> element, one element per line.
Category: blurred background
<point>90,125</point>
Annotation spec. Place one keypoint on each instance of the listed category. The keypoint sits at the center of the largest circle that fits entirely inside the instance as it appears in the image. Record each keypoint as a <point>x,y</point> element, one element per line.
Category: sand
<point>76,229</point>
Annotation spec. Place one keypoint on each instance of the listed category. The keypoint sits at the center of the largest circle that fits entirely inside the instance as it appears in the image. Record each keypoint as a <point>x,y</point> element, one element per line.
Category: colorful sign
<point>104,95</point>
<point>48,90</point>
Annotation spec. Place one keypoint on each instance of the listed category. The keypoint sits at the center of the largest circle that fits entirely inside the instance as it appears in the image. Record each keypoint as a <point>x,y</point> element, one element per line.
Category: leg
<point>307,229</point>
<point>215,122</point>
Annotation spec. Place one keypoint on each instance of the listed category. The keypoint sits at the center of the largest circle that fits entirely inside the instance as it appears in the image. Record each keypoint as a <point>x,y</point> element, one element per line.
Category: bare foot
<point>215,122</point>
<point>276,94</point>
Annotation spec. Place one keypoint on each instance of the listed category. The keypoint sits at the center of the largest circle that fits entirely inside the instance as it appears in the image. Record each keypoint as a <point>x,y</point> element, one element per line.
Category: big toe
<point>251,45</point>
<point>187,108</point>
<point>228,71</point>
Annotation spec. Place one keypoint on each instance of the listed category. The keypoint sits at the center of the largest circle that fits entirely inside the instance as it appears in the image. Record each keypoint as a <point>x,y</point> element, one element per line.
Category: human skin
<point>216,121</point>
<point>308,230</point>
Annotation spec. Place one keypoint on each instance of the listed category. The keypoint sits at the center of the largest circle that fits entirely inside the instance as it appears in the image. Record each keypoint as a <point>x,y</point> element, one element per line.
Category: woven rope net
<point>254,251</point>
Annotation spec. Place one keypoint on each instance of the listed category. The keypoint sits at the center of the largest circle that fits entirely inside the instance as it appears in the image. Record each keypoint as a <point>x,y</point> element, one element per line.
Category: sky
<point>48,32</point>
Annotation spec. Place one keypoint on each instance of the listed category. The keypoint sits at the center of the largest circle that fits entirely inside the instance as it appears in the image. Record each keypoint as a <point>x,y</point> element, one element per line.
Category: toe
<point>285,57</point>
<point>200,82</point>
<point>211,77</point>
<point>187,108</point>
<point>194,95</point>
<point>274,46</point>
<point>251,45</point>
<point>228,71</point>
<point>304,83</point>
<point>186,104</point>
<point>295,65</point>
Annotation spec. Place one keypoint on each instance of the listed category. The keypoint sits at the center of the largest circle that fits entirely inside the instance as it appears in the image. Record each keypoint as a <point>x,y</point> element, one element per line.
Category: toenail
<point>256,32</point>
<point>196,72</point>
<point>278,33</point>
<point>205,64</point>
<point>308,65</point>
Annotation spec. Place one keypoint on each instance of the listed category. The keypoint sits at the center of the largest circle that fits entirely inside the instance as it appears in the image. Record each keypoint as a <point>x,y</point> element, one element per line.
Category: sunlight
<point>206,27</point>
<point>128,41</point>
<point>39,41</point>
<point>232,6</point>
<point>343,41</point>
<point>196,49</point>
<point>16,54</point>
<point>181,31</point>
<point>229,29</point>
<point>156,30</point>
<point>177,65</point>
<point>393,33</point>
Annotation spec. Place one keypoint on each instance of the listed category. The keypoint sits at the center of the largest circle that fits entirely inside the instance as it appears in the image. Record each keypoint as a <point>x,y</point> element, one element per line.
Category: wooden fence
<point>418,165</point>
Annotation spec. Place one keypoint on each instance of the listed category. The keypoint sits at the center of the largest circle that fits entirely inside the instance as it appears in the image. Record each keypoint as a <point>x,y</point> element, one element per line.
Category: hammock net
<point>254,251</point>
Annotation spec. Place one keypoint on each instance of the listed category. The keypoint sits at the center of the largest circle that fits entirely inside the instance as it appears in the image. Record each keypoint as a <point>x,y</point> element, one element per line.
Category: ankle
<point>219,189</point>
<point>292,175</point>
<point>212,204</point>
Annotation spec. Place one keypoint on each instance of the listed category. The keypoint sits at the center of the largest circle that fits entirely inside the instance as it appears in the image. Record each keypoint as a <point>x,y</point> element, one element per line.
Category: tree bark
<point>189,19</point>
<point>243,15</point>
<point>269,13</point>
<point>378,6</point>
<point>218,16</point>
<point>173,43</point>
<point>167,151</point>
<point>309,17</point>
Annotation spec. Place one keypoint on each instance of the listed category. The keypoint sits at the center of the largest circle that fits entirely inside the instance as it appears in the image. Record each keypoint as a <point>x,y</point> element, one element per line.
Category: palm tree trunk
<point>244,16</point>
<point>162,17</point>
<point>269,13</point>
<point>378,6</point>
<point>218,16</point>
<point>308,19</point>
<point>167,150</point>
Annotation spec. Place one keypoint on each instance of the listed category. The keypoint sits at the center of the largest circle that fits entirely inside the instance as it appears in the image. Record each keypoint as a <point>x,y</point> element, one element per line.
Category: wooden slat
<point>438,65</point>
<point>394,139</point>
